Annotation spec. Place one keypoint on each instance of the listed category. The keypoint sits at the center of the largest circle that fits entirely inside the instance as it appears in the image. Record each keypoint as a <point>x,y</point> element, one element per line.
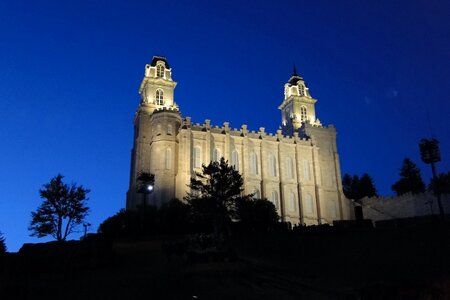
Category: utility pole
<point>430,154</point>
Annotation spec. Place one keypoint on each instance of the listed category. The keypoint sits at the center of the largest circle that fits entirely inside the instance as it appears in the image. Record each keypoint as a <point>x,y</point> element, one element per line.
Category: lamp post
<point>145,185</point>
<point>429,152</point>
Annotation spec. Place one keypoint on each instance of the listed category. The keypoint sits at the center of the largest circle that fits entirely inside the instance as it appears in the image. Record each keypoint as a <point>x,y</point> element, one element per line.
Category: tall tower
<point>156,126</point>
<point>298,105</point>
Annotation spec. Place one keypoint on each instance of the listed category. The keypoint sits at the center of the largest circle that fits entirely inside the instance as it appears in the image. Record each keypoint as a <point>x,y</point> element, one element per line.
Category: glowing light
<point>150,188</point>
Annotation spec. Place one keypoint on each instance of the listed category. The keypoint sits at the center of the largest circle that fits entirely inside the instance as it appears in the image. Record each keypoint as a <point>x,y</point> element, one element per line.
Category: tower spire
<point>295,71</point>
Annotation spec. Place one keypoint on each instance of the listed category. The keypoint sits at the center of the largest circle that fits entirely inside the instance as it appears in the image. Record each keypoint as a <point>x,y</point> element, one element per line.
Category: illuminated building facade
<point>297,168</point>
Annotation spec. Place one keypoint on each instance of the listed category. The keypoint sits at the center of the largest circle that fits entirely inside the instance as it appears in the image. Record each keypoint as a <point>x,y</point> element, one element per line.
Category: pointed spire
<point>295,71</point>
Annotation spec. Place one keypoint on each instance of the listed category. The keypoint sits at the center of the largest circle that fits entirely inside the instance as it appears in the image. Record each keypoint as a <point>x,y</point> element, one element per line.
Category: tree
<point>410,179</point>
<point>257,214</point>
<point>214,194</point>
<point>356,188</point>
<point>2,244</point>
<point>366,187</point>
<point>61,211</point>
<point>125,223</point>
<point>441,184</point>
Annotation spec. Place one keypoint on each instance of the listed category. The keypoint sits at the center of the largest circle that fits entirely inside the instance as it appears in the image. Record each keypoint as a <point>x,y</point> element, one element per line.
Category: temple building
<point>297,167</point>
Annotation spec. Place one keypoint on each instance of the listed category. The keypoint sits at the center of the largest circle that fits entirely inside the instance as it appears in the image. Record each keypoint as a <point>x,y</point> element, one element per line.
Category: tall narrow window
<point>303,114</point>
<point>306,170</point>
<point>168,160</point>
<point>196,157</point>
<point>256,194</point>
<point>235,159</point>
<point>309,204</point>
<point>158,129</point>
<point>216,155</point>
<point>160,71</point>
<point>291,202</point>
<point>289,168</point>
<point>301,90</point>
<point>169,129</point>
<point>253,163</point>
<point>274,198</point>
<point>159,97</point>
<point>272,165</point>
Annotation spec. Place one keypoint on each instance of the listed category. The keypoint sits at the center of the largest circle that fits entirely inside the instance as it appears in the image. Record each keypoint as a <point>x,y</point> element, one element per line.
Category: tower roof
<point>295,77</point>
<point>159,58</point>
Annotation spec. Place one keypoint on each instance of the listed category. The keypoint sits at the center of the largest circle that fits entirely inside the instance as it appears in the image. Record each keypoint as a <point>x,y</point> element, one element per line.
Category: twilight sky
<point>70,73</point>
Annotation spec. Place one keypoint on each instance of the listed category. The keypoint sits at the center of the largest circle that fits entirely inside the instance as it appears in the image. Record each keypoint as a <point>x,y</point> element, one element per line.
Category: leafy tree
<point>61,211</point>
<point>2,244</point>
<point>441,184</point>
<point>257,214</point>
<point>214,194</point>
<point>356,188</point>
<point>174,217</point>
<point>125,223</point>
<point>410,179</point>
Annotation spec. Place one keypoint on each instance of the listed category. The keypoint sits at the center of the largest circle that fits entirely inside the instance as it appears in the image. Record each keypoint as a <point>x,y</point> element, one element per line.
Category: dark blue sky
<point>70,73</point>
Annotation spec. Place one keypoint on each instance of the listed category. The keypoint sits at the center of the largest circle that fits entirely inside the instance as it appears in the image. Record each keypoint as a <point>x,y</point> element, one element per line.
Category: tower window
<point>196,157</point>
<point>169,129</point>
<point>216,155</point>
<point>289,168</point>
<point>160,97</point>
<point>303,114</point>
<point>235,160</point>
<point>291,202</point>
<point>168,160</point>
<point>301,90</point>
<point>306,170</point>
<point>160,71</point>
<point>272,165</point>
<point>253,163</point>
<point>274,199</point>
<point>309,204</point>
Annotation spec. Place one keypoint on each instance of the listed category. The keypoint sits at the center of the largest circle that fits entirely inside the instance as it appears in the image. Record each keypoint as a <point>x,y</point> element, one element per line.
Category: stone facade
<point>297,168</point>
<point>404,206</point>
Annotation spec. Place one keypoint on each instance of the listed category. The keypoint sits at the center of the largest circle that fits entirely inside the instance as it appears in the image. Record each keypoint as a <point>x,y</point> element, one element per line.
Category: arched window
<point>169,129</point>
<point>168,159</point>
<point>289,168</point>
<point>291,204</point>
<point>306,170</point>
<point>301,90</point>
<point>274,198</point>
<point>272,165</point>
<point>253,163</point>
<point>159,97</point>
<point>160,70</point>
<point>303,114</point>
<point>235,159</point>
<point>196,157</point>
<point>158,129</point>
<point>256,194</point>
<point>309,204</point>
<point>216,154</point>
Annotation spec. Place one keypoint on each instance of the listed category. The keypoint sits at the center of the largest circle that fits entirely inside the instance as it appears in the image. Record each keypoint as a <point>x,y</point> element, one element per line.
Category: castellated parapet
<point>297,167</point>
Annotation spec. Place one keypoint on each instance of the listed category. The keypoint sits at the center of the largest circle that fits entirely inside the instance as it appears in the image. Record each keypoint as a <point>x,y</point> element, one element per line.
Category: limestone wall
<point>405,206</point>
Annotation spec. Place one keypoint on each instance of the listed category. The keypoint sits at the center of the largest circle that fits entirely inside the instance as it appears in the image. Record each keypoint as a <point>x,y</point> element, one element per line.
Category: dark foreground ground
<point>328,263</point>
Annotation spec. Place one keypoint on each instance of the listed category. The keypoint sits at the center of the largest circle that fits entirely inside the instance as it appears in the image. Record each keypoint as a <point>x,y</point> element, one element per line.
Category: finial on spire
<point>295,71</point>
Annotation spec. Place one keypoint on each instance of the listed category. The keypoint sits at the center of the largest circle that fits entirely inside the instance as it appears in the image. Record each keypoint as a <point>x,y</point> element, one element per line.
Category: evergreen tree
<point>61,211</point>
<point>410,179</point>
<point>356,188</point>
<point>2,244</point>
<point>366,187</point>
<point>441,184</point>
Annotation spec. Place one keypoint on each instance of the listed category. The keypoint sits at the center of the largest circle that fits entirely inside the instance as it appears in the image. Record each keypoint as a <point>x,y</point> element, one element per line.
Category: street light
<point>144,185</point>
